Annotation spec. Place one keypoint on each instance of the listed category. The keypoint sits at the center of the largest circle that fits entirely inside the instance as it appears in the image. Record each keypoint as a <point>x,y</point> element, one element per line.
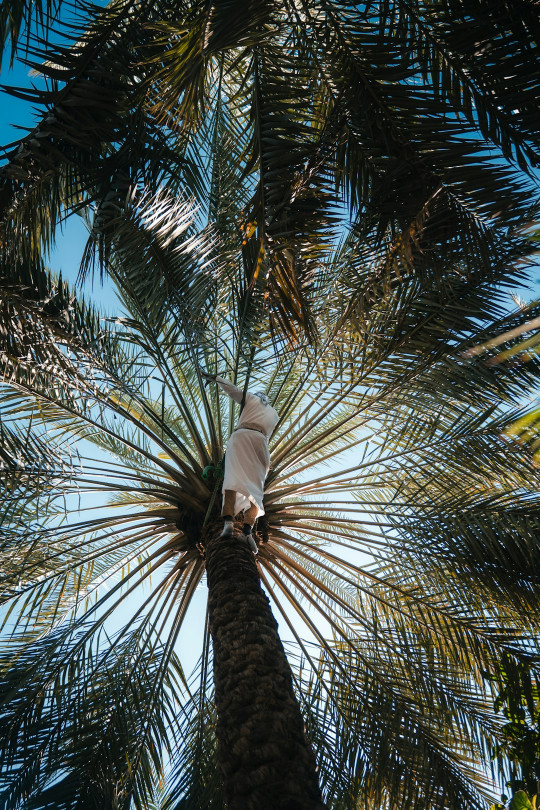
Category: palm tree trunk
<point>266,760</point>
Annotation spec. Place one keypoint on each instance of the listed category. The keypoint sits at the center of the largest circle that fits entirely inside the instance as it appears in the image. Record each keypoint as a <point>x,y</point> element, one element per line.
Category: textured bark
<point>266,761</point>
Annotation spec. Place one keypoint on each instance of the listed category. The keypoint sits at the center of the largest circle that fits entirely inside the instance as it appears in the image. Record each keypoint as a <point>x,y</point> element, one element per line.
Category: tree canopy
<point>333,199</point>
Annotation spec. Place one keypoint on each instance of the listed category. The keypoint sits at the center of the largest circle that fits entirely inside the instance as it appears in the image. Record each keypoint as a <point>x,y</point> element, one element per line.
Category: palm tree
<point>362,343</point>
<point>398,521</point>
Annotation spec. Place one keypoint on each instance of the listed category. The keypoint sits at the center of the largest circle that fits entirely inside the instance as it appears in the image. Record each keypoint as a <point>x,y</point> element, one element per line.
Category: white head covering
<point>262,396</point>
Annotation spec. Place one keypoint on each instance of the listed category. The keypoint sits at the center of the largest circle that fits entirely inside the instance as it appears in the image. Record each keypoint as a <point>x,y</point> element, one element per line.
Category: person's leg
<point>250,516</point>
<point>229,499</point>
<point>227,512</point>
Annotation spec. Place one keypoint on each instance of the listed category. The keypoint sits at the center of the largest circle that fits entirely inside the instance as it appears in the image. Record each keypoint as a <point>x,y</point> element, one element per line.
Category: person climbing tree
<point>247,459</point>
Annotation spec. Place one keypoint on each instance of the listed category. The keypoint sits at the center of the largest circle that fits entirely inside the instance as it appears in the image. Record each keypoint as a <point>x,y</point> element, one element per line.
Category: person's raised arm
<point>230,389</point>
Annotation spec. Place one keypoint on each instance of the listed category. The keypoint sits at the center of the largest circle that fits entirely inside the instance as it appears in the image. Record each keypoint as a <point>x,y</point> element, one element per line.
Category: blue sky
<point>17,116</point>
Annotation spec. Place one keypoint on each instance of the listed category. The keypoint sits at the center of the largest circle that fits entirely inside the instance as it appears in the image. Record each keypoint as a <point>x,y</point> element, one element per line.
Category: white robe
<point>247,459</point>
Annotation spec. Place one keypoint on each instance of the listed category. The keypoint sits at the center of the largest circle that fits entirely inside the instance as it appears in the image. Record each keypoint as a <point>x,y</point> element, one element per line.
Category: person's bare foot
<point>250,541</point>
<point>228,529</point>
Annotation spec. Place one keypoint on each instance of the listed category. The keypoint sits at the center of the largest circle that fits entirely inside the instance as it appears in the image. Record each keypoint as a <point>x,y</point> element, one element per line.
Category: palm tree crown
<point>275,198</point>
